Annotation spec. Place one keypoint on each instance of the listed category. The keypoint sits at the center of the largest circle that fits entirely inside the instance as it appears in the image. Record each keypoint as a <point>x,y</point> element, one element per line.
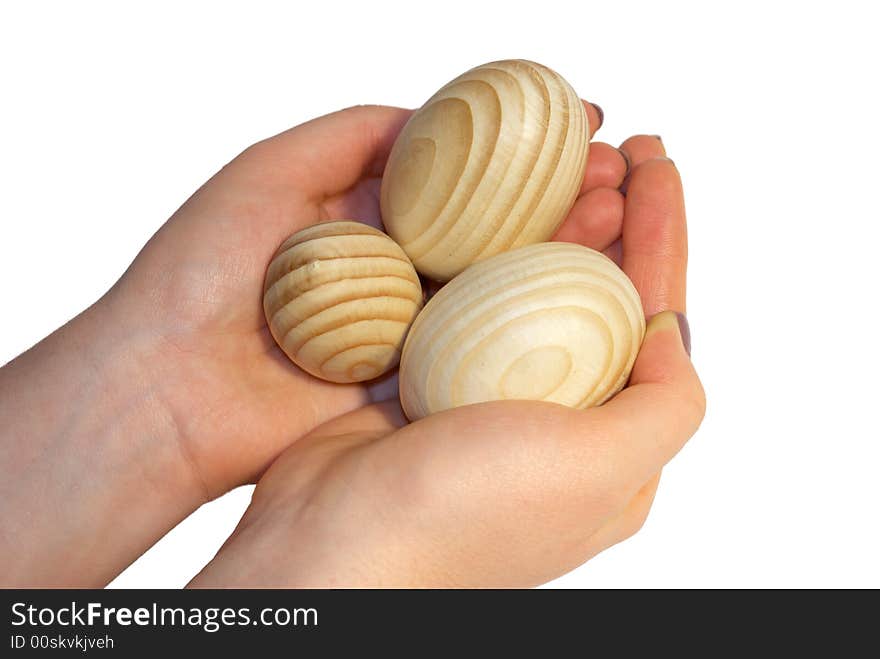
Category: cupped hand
<point>508,493</point>
<point>193,295</point>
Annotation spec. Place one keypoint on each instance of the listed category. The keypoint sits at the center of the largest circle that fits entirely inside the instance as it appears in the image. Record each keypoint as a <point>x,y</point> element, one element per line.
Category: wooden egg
<point>555,322</point>
<point>339,299</point>
<point>492,161</point>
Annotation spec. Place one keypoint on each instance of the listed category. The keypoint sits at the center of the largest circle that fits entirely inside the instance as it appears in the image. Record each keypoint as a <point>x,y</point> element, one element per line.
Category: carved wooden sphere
<point>339,299</point>
<point>492,161</point>
<point>556,322</point>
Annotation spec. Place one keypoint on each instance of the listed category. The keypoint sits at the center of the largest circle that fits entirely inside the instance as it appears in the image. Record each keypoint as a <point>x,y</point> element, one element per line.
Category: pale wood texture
<point>555,322</point>
<point>339,299</point>
<point>492,161</point>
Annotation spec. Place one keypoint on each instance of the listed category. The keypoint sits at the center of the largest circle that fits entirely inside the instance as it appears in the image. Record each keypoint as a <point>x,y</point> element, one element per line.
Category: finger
<point>647,423</point>
<point>637,150</point>
<point>614,251</point>
<point>655,235</point>
<point>595,220</point>
<point>640,148</point>
<point>595,116</point>
<point>360,201</point>
<point>327,155</point>
<point>606,167</point>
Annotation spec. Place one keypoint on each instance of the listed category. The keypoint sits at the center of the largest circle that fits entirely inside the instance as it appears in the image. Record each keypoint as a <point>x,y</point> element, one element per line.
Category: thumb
<point>663,405</point>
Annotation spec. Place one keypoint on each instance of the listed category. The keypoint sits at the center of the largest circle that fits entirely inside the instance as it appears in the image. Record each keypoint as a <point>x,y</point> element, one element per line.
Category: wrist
<point>93,470</point>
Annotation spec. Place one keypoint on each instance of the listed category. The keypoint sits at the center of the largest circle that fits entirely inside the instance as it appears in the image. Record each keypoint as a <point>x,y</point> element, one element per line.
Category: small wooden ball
<point>492,161</point>
<point>339,299</point>
<point>554,322</point>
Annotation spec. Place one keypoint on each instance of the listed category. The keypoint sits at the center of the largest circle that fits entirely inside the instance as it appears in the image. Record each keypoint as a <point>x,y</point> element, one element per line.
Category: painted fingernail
<point>601,114</point>
<point>685,329</point>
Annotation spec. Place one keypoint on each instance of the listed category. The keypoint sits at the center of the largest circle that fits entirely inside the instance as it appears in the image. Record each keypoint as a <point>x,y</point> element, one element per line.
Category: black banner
<point>549,622</point>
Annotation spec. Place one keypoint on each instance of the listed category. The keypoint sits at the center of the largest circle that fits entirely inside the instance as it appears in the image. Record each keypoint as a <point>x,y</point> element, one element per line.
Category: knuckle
<point>635,523</point>
<point>697,400</point>
<point>636,516</point>
<point>690,399</point>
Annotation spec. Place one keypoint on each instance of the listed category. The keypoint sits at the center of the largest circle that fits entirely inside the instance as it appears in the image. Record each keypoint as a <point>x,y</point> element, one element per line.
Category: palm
<point>237,399</point>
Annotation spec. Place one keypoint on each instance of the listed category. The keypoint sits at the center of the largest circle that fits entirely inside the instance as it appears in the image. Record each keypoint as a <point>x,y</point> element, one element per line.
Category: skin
<point>169,391</point>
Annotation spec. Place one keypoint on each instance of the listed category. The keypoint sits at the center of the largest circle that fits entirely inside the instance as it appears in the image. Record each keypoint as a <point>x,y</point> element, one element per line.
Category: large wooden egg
<point>554,322</point>
<point>339,299</point>
<point>492,161</point>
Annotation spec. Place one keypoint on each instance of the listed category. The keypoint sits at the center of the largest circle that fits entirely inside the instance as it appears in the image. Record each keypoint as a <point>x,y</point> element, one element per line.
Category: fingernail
<point>685,329</point>
<point>663,321</point>
<point>627,161</point>
<point>658,138</point>
<point>601,114</point>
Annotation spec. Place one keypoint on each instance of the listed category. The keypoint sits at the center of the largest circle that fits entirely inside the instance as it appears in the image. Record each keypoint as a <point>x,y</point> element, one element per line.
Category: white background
<point>111,116</point>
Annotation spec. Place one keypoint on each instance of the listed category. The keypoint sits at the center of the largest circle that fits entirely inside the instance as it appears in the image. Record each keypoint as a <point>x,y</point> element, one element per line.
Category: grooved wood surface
<point>555,321</point>
<point>339,298</point>
<point>493,161</point>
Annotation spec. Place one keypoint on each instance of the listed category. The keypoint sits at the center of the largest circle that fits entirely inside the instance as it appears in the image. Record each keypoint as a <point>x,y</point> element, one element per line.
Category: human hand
<point>195,292</point>
<point>170,391</point>
<point>507,493</point>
